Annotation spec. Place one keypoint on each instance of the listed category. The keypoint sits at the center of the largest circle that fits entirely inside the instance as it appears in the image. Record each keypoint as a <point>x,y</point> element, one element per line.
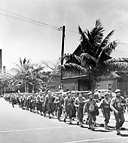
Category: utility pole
<point>62,52</point>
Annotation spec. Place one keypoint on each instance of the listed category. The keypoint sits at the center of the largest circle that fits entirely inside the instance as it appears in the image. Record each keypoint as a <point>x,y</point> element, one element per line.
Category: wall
<point>55,83</point>
<point>70,84</point>
<point>123,86</point>
<point>107,84</point>
<point>84,85</point>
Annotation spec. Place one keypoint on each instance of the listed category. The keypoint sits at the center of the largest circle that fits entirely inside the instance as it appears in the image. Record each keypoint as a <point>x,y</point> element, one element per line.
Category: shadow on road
<point>124,135</point>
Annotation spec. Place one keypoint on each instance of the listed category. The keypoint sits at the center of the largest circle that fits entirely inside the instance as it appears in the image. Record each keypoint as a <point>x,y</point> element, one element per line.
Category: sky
<point>23,39</point>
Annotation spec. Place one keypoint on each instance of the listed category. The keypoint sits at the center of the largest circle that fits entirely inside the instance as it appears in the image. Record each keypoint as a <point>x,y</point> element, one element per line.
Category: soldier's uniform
<point>60,103</point>
<point>69,107</point>
<point>79,103</point>
<point>105,106</point>
<point>49,104</point>
<point>92,110</point>
<point>118,106</point>
<point>13,99</point>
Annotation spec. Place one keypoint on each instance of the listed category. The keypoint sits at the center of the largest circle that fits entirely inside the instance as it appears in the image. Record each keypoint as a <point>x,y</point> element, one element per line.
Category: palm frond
<point>104,43</point>
<point>110,47</point>
<point>95,37</point>
<point>38,69</point>
<point>73,68</point>
<point>85,43</point>
<point>98,23</point>
<point>87,59</point>
<point>72,58</point>
<point>24,61</point>
<point>97,33</point>
<point>28,61</point>
<point>107,50</point>
<point>120,64</point>
<point>81,33</point>
<point>20,60</point>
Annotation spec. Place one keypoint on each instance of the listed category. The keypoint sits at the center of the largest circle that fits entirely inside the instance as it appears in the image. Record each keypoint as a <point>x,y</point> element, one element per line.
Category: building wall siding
<point>123,86</point>
<point>107,84</point>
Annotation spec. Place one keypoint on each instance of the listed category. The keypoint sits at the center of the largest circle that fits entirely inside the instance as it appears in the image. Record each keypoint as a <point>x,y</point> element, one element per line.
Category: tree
<point>54,69</point>
<point>37,77</point>
<point>20,79</point>
<point>28,76</point>
<point>93,55</point>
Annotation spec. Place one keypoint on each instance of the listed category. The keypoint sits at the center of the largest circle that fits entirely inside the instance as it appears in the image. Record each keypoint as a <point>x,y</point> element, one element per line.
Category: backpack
<point>117,105</point>
<point>93,108</point>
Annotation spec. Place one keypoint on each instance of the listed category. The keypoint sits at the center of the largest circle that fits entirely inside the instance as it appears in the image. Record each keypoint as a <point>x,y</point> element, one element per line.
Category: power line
<point>29,20</point>
<point>19,19</point>
<point>33,21</point>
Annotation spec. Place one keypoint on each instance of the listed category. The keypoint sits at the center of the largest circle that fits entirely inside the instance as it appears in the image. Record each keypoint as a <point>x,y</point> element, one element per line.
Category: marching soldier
<point>69,107</point>
<point>118,106</point>
<point>60,105</point>
<point>79,103</point>
<point>41,103</point>
<point>105,106</point>
<point>49,103</point>
<point>92,110</point>
<point>13,99</point>
<point>38,102</point>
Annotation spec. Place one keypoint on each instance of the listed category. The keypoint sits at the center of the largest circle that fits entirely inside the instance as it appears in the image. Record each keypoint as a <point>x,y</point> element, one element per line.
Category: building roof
<point>123,75</point>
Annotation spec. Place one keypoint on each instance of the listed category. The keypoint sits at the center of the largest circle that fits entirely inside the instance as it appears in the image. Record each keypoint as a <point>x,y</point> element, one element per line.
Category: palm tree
<point>22,74</point>
<point>37,77</point>
<point>28,75</point>
<point>93,55</point>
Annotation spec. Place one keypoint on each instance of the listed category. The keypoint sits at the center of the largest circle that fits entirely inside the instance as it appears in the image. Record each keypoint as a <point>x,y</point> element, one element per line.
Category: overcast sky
<point>38,43</point>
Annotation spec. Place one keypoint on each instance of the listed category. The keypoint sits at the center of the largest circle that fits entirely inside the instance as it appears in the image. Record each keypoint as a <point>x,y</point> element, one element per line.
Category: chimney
<point>0,61</point>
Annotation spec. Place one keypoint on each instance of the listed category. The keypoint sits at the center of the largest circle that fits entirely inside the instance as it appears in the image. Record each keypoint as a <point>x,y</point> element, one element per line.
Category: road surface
<point>21,126</point>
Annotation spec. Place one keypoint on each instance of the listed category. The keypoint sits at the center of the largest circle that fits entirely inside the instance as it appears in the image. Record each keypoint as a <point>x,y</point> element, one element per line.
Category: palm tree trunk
<point>93,84</point>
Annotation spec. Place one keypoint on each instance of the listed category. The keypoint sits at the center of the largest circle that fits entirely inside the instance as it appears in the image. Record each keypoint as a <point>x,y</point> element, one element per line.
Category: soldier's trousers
<point>119,120</point>
<point>92,117</point>
<point>106,114</point>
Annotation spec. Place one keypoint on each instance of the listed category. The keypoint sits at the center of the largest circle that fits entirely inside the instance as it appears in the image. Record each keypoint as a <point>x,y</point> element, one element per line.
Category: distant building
<point>114,81</point>
<point>55,82</point>
<point>71,81</point>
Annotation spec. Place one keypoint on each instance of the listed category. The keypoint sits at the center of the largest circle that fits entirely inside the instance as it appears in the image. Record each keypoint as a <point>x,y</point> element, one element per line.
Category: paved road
<point>21,126</point>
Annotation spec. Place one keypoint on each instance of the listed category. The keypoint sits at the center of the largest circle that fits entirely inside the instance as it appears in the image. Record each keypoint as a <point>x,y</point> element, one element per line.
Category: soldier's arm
<point>76,103</point>
<point>45,101</point>
<point>101,104</point>
<point>112,105</point>
<point>65,102</point>
<point>123,102</point>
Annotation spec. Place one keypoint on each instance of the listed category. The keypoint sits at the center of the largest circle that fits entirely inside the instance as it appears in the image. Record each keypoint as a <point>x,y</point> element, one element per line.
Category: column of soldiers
<point>73,106</point>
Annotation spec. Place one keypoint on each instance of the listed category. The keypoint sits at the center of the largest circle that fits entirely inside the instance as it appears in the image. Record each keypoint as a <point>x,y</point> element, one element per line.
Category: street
<point>21,126</point>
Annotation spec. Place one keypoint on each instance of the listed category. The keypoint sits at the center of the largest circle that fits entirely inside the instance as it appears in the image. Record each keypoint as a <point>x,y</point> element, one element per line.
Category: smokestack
<point>4,69</point>
<point>1,61</point>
